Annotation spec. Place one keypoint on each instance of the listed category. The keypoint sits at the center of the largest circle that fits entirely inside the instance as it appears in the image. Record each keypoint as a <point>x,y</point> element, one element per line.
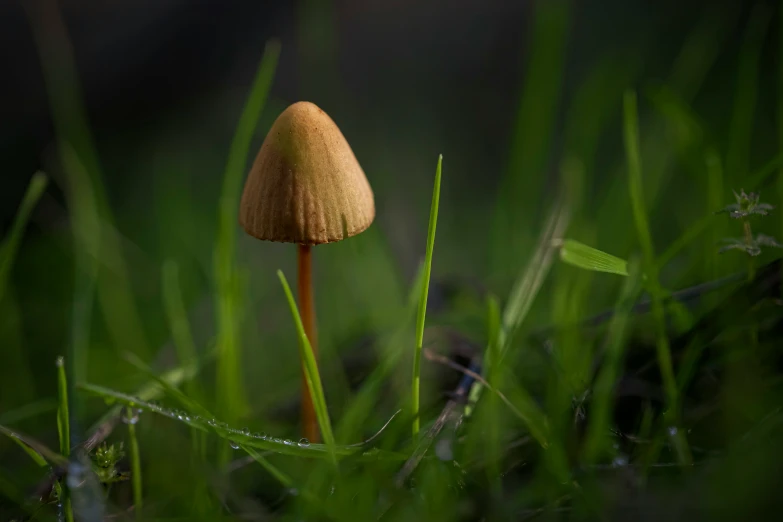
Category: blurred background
<point>523,99</point>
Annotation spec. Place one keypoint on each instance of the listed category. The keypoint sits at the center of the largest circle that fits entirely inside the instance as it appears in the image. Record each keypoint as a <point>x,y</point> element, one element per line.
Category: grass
<point>559,412</point>
<point>64,434</point>
<point>663,350</point>
<point>422,311</point>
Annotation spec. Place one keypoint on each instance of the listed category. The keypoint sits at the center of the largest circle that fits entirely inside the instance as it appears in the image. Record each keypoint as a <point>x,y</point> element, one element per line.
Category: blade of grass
<point>239,436</point>
<point>492,369</point>
<point>521,298</point>
<point>636,193</point>
<point>603,389</point>
<point>10,243</point>
<point>178,321</point>
<point>40,454</point>
<point>312,375</point>
<point>135,461</point>
<point>64,430</point>
<point>589,258</point>
<point>34,455</point>
<point>230,390</point>
<point>86,244</point>
<point>422,311</point>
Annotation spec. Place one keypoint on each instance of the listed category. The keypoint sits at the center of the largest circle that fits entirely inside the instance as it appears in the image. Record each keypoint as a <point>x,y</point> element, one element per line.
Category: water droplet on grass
<point>131,415</point>
<point>234,445</point>
<point>303,443</point>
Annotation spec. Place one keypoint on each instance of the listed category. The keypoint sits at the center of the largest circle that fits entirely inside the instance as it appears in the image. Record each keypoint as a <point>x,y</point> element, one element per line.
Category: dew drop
<point>212,422</point>
<point>303,443</point>
<point>233,444</point>
<point>131,415</point>
<point>289,442</point>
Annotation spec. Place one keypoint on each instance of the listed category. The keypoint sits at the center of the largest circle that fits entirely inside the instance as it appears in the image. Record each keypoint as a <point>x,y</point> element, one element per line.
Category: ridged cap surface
<point>305,185</point>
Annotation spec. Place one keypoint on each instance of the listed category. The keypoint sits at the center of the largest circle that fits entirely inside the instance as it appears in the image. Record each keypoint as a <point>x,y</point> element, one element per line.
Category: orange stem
<point>307,310</point>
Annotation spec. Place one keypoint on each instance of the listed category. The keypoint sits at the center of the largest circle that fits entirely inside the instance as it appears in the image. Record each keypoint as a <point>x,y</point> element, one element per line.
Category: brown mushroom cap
<point>306,185</point>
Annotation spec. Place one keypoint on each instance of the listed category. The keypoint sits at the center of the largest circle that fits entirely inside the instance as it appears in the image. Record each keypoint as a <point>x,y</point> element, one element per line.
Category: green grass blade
<point>312,375</point>
<point>40,454</point>
<point>230,390</point>
<point>153,390</point>
<point>529,281</point>
<point>64,429</point>
<point>135,461</point>
<point>636,193</point>
<point>32,453</point>
<point>589,258</point>
<point>63,419</point>
<point>523,293</point>
<point>240,436</point>
<point>178,320</point>
<point>603,390</point>
<point>10,243</point>
<point>422,311</point>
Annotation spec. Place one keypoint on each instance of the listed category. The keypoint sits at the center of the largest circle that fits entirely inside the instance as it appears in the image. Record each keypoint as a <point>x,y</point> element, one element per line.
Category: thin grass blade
<point>588,258</point>
<point>312,374</point>
<point>230,390</point>
<point>422,311</point>
<point>10,243</point>
<point>663,351</point>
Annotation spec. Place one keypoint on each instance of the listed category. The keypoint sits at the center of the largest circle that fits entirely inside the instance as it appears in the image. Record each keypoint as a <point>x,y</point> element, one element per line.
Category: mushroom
<point>306,187</point>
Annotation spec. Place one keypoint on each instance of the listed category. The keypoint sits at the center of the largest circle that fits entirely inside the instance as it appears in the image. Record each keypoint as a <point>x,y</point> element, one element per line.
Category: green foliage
<point>589,258</point>
<point>572,408</point>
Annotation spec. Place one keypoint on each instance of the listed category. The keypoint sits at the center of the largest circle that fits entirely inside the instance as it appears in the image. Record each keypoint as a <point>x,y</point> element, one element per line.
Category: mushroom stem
<point>306,308</point>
